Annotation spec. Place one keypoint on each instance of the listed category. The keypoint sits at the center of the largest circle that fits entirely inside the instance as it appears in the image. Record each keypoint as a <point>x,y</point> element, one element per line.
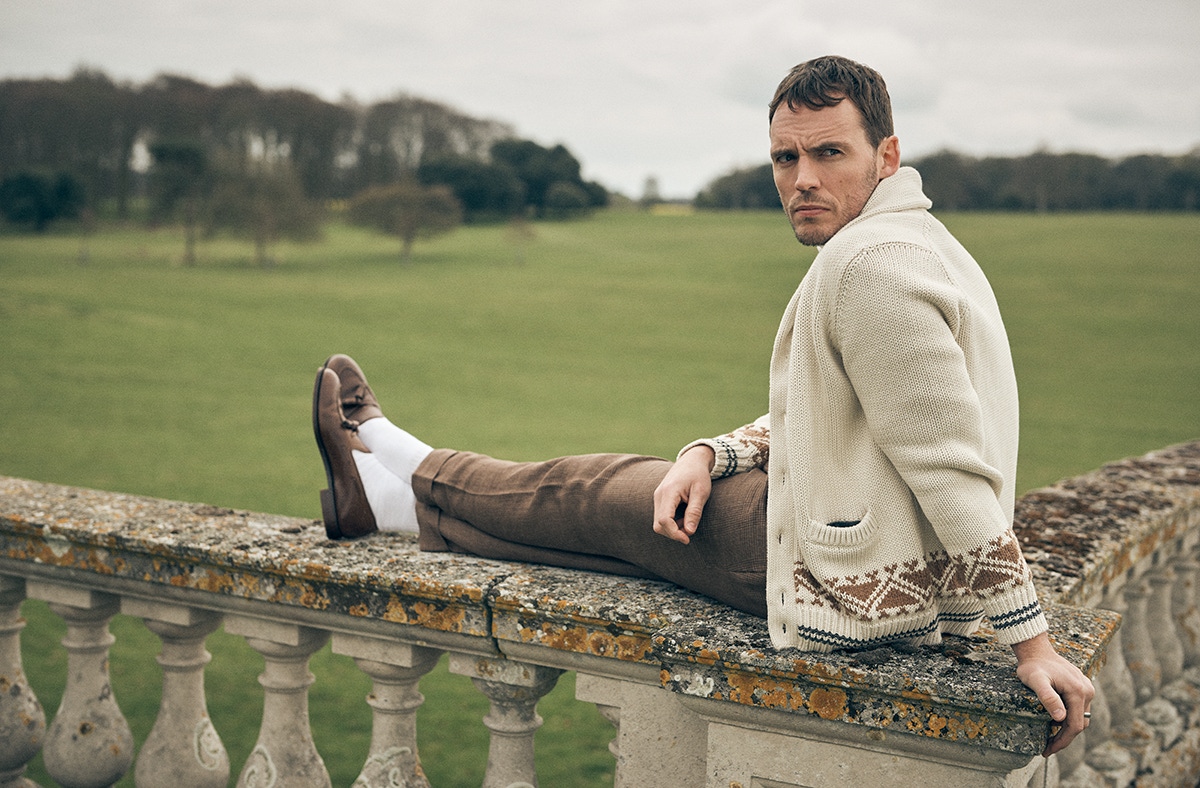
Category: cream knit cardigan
<point>891,442</point>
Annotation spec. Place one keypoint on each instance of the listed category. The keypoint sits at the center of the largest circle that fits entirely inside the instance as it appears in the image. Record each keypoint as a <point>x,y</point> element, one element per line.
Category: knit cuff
<point>1016,616</point>
<point>727,459</point>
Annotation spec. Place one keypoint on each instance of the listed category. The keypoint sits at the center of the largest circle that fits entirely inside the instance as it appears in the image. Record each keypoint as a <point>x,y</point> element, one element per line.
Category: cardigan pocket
<point>842,533</point>
<point>866,573</point>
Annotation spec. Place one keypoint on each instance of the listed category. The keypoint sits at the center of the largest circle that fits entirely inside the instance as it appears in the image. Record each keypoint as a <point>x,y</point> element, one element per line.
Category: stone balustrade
<point>697,695</point>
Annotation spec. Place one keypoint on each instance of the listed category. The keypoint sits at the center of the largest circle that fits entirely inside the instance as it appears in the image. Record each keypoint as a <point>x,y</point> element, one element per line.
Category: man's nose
<point>806,175</point>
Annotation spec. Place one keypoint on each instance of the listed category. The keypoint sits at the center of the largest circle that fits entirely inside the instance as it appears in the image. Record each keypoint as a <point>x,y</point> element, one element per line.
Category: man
<point>873,503</point>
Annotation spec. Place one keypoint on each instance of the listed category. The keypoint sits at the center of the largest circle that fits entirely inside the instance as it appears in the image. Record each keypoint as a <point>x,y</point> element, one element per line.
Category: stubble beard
<point>817,235</point>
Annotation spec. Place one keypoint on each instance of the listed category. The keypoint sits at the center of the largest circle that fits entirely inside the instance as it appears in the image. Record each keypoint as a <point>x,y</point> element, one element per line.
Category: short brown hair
<point>825,81</point>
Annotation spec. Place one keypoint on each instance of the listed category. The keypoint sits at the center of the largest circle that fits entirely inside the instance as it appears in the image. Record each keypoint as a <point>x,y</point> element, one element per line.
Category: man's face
<point>825,167</point>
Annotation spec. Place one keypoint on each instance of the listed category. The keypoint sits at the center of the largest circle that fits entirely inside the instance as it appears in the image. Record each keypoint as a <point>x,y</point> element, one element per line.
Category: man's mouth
<point>808,210</point>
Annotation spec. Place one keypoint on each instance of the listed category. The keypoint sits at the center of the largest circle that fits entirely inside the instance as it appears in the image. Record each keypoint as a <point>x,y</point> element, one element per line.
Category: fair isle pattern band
<point>745,448</point>
<point>908,587</point>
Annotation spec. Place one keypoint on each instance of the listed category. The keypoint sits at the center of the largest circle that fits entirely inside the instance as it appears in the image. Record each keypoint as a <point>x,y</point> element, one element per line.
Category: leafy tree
<point>265,203</point>
<point>408,210</point>
<point>35,199</point>
<point>540,168</point>
<point>1183,184</point>
<point>83,125</point>
<point>564,200</point>
<point>180,184</point>
<point>488,191</point>
<point>395,136</point>
<point>752,188</point>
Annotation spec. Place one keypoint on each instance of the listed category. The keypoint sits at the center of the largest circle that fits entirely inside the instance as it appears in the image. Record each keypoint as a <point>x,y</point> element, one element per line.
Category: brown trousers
<point>595,512</point>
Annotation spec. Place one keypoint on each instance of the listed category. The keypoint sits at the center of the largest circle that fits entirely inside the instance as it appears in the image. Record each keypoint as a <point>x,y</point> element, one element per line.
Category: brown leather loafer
<point>358,401</point>
<point>344,505</point>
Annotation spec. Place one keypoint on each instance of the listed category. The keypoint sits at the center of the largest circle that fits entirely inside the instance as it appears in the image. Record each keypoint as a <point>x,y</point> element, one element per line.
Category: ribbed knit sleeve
<point>927,358</point>
<point>745,448</point>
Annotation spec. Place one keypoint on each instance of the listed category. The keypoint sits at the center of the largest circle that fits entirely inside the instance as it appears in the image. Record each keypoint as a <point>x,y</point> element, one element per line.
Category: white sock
<point>396,450</point>
<point>391,498</point>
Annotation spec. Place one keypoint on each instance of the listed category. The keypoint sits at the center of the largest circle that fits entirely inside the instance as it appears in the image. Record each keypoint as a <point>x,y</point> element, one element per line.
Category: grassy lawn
<point>627,332</point>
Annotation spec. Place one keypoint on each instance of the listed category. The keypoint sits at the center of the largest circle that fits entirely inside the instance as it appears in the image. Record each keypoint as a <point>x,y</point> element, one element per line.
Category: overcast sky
<point>676,89</point>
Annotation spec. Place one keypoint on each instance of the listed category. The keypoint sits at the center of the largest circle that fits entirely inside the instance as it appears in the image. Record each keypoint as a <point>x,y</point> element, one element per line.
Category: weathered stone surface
<point>267,558</point>
<point>963,690</point>
<point>1080,534</point>
<point>591,613</point>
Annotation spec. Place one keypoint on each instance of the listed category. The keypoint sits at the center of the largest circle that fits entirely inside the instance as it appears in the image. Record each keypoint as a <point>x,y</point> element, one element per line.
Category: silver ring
<point>1087,715</point>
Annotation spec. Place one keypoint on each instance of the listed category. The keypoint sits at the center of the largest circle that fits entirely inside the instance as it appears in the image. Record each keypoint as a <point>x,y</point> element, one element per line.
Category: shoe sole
<point>328,502</point>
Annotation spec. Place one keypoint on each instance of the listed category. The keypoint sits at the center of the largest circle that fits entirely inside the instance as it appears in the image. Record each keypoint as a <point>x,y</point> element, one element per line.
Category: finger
<point>669,528</point>
<point>1049,698</point>
<point>666,502</point>
<point>695,508</point>
<point>1063,737</point>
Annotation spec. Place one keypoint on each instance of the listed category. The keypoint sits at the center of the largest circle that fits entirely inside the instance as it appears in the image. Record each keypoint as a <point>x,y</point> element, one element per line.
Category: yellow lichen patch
<point>46,554</point>
<point>360,611</point>
<point>584,640</point>
<point>935,726</point>
<point>631,647</point>
<point>447,619</point>
<point>960,727</point>
<point>828,704</point>
<point>216,582</point>
<point>396,611</point>
<point>754,690</point>
<point>314,571</point>
<point>421,586</point>
<point>312,599</point>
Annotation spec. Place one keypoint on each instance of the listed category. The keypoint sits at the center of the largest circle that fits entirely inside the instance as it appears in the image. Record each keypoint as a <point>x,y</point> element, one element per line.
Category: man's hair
<point>825,81</point>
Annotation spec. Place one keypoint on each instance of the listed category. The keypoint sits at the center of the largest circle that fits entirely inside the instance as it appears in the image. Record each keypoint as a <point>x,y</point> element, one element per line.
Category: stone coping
<point>964,690</point>
<point>1084,532</point>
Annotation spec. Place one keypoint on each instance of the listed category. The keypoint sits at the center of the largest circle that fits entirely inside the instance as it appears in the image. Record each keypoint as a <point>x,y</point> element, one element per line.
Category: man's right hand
<point>688,482</point>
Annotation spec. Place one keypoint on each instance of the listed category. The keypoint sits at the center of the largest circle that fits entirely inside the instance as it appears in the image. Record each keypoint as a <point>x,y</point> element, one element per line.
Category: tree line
<point>178,147</point>
<point>1040,181</point>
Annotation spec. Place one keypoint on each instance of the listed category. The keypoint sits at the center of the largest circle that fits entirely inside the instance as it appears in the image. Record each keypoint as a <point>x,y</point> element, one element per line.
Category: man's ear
<point>887,156</point>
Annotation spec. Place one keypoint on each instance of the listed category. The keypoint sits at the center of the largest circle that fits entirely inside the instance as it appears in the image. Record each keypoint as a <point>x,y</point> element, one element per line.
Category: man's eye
<point>783,158</point>
<point>830,152</point>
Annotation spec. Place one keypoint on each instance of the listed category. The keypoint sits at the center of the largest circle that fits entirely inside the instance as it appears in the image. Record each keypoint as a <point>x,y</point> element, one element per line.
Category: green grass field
<point>626,332</point>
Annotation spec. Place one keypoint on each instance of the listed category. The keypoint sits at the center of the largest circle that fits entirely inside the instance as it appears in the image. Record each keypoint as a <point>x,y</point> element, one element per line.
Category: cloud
<point>672,88</point>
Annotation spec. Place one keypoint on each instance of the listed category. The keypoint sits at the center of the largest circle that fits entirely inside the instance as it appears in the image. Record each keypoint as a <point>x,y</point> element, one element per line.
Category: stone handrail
<point>697,694</point>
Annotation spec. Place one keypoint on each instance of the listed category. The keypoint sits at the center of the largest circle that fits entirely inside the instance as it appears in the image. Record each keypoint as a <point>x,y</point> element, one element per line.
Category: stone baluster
<point>395,670</point>
<point>22,721</point>
<point>1073,771</point>
<point>514,689</point>
<point>1140,655</point>
<point>659,740</point>
<point>613,715</point>
<point>1105,756</point>
<point>1130,739</point>
<point>89,742</point>
<point>1162,625</point>
<point>1185,610</point>
<point>183,748</point>
<point>284,754</point>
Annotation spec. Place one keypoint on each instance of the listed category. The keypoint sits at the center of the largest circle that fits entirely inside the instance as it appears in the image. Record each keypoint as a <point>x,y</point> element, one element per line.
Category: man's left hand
<point>1060,686</point>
